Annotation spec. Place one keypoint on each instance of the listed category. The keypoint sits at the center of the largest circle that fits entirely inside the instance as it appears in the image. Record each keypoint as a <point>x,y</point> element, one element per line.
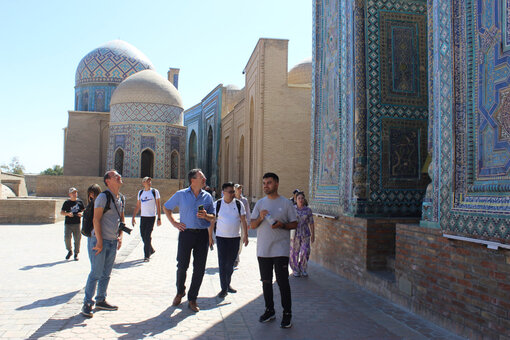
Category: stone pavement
<point>41,295</point>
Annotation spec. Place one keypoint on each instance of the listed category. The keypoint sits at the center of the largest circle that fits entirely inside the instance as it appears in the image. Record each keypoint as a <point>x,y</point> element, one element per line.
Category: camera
<point>122,226</point>
<point>200,207</point>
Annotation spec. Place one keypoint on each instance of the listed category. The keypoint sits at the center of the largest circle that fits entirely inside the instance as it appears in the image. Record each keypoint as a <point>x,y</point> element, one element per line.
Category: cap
<point>296,191</point>
<point>145,179</point>
<point>72,189</point>
<point>236,186</point>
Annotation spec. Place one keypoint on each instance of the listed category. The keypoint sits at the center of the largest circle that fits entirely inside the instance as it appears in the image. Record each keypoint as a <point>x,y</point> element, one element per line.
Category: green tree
<point>57,170</point>
<point>15,167</point>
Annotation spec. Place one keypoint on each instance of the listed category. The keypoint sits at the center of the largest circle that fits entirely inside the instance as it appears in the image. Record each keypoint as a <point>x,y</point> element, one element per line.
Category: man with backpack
<point>149,204</point>
<point>230,217</point>
<point>105,240</point>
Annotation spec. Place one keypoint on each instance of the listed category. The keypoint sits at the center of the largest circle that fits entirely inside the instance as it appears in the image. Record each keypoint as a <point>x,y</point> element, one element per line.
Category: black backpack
<point>87,224</point>
<point>152,190</point>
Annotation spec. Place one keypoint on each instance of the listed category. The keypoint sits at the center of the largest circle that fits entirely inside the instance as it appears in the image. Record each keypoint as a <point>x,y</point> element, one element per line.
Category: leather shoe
<point>193,306</point>
<point>177,299</point>
<point>231,290</point>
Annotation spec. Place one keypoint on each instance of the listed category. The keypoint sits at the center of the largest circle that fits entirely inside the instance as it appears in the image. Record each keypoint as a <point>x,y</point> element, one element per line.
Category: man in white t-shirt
<point>230,218</point>
<point>149,203</point>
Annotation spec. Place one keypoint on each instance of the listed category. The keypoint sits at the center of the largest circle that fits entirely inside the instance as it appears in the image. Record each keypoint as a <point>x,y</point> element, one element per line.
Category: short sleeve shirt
<point>148,202</point>
<point>228,222</point>
<point>274,242</point>
<point>188,205</point>
<point>305,218</point>
<point>74,207</point>
<point>110,220</point>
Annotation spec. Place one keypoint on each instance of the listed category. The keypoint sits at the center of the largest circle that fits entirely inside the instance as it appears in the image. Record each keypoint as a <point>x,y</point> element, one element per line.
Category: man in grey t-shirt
<point>274,216</point>
<point>104,242</point>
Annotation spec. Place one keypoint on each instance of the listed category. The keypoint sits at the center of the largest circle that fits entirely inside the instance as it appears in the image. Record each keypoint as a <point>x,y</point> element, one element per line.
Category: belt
<point>194,230</point>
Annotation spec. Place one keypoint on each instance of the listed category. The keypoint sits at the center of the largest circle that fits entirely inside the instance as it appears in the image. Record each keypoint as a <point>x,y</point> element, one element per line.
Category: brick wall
<point>461,285</point>
<point>58,186</point>
<point>30,211</point>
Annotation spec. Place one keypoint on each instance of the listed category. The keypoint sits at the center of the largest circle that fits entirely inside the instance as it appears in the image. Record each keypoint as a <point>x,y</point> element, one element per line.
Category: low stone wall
<point>30,210</point>
<point>461,285</point>
<point>58,186</point>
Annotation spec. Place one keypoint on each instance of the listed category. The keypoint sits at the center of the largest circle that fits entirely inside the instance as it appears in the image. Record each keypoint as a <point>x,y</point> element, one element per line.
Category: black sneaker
<point>222,294</point>
<point>86,310</point>
<point>231,290</point>
<point>287,317</point>
<point>268,315</point>
<point>68,256</point>
<point>105,306</point>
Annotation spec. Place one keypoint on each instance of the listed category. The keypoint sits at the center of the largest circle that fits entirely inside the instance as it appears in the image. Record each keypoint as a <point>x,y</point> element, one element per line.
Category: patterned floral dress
<point>300,245</point>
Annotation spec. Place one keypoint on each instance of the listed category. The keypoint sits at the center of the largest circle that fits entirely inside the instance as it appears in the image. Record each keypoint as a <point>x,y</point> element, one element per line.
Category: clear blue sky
<point>42,43</point>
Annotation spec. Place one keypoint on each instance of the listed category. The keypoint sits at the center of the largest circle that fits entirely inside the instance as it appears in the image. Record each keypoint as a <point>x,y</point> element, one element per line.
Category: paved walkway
<point>41,295</point>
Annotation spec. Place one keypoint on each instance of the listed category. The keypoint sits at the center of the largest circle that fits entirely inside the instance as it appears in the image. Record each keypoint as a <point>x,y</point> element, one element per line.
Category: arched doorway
<point>147,163</point>
<point>119,160</point>
<point>209,156</point>
<point>192,149</point>
<point>252,156</point>
<point>174,165</point>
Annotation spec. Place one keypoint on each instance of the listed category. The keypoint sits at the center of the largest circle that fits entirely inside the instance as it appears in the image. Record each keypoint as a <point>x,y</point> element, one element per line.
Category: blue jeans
<point>227,253</point>
<point>100,269</point>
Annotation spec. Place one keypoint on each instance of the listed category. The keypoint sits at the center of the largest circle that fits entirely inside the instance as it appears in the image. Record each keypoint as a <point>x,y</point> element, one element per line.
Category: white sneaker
<point>305,274</point>
<point>296,274</point>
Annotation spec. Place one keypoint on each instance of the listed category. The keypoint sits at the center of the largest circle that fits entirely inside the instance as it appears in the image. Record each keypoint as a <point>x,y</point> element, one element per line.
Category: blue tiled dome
<point>111,63</point>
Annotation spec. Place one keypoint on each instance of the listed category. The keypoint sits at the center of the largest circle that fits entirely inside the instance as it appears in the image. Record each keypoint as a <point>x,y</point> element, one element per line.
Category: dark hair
<point>94,189</point>
<point>227,185</point>
<point>302,193</point>
<point>192,174</point>
<point>271,175</point>
<point>208,189</point>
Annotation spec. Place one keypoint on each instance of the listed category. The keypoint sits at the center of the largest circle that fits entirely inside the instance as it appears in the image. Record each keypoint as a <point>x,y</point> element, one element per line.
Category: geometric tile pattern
<point>325,168</point>
<point>146,112</point>
<point>472,201</point>
<point>111,63</point>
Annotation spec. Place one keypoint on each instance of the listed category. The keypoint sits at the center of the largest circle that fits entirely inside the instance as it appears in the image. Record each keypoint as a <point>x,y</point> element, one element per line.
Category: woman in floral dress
<point>300,245</point>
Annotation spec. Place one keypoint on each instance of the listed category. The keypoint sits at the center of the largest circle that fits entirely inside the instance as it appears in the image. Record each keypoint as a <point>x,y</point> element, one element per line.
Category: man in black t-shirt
<point>72,209</point>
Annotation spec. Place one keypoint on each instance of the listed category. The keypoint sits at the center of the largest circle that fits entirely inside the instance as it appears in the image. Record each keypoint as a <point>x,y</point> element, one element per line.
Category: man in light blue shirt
<point>196,211</point>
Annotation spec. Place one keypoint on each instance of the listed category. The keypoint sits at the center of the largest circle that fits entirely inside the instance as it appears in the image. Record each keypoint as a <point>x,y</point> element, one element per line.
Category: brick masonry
<point>462,286</point>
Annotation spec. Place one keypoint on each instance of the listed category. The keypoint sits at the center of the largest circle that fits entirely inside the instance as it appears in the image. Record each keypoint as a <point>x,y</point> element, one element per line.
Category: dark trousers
<point>227,253</point>
<point>146,226</point>
<point>196,240</point>
<point>281,269</point>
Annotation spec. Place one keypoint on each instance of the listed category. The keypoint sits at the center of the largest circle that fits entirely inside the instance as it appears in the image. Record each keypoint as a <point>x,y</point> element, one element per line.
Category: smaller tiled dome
<point>301,73</point>
<point>147,87</point>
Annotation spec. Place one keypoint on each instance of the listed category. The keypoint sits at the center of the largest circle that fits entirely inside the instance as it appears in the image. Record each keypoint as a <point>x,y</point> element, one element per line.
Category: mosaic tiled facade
<point>396,81</point>
<point>162,139</point>
<point>364,75</point>
<point>204,119</point>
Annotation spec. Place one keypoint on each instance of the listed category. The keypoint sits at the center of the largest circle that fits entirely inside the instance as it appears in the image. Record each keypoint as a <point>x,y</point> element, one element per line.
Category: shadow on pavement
<point>212,271</point>
<point>55,325</point>
<point>52,301</point>
<point>43,265</point>
<point>128,264</point>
